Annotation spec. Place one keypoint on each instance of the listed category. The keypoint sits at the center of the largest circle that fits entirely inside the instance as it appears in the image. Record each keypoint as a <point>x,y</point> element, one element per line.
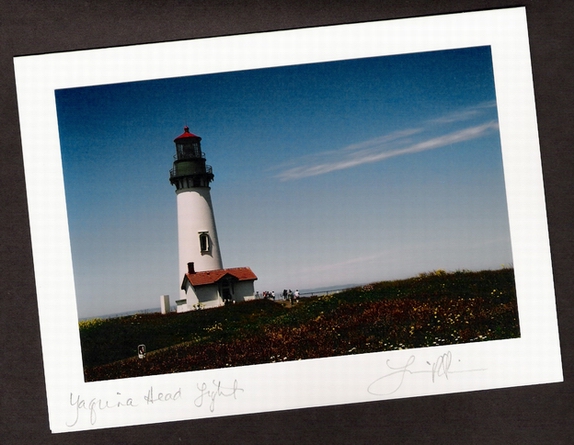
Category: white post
<point>164,303</point>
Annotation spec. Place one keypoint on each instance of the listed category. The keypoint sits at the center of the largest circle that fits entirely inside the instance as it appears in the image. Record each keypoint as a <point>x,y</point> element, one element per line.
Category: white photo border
<point>74,405</point>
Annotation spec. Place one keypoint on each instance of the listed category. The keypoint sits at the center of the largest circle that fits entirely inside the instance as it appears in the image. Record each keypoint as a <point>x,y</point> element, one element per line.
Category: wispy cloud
<point>464,114</point>
<point>380,148</point>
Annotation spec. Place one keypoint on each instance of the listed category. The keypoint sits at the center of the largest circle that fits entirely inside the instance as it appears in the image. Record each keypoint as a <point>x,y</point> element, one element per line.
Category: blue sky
<point>325,174</point>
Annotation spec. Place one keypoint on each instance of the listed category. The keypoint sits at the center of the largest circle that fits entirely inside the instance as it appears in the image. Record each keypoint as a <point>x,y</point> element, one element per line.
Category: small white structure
<point>217,287</point>
<point>164,304</point>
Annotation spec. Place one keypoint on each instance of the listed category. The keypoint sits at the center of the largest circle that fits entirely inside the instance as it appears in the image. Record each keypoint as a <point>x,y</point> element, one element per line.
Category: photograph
<point>287,220</point>
<point>358,206</point>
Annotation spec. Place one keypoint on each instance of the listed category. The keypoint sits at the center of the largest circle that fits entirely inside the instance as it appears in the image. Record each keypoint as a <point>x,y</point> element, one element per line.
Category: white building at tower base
<point>213,288</point>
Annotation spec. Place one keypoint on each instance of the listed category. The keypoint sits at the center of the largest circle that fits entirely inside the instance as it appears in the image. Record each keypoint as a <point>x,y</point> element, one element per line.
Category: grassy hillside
<point>432,309</point>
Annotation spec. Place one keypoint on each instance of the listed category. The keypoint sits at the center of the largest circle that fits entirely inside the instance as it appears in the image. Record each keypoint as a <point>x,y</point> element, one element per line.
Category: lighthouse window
<point>188,151</point>
<point>204,242</point>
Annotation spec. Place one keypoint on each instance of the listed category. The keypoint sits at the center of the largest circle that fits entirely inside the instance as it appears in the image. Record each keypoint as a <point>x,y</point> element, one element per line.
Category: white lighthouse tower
<point>197,236</point>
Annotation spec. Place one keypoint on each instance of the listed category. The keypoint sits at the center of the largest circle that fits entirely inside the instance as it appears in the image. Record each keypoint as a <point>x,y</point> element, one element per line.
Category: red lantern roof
<point>186,134</point>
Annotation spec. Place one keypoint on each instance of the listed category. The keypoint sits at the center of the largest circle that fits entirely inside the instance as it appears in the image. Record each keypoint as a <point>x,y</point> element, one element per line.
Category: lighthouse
<point>197,235</point>
<point>204,281</point>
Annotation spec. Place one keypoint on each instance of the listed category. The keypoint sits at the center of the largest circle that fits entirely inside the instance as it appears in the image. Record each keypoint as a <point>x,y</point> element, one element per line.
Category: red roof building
<point>214,276</point>
<point>212,288</point>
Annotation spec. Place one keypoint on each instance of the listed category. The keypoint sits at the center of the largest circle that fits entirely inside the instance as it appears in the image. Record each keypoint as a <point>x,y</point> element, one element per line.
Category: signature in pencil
<point>401,372</point>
